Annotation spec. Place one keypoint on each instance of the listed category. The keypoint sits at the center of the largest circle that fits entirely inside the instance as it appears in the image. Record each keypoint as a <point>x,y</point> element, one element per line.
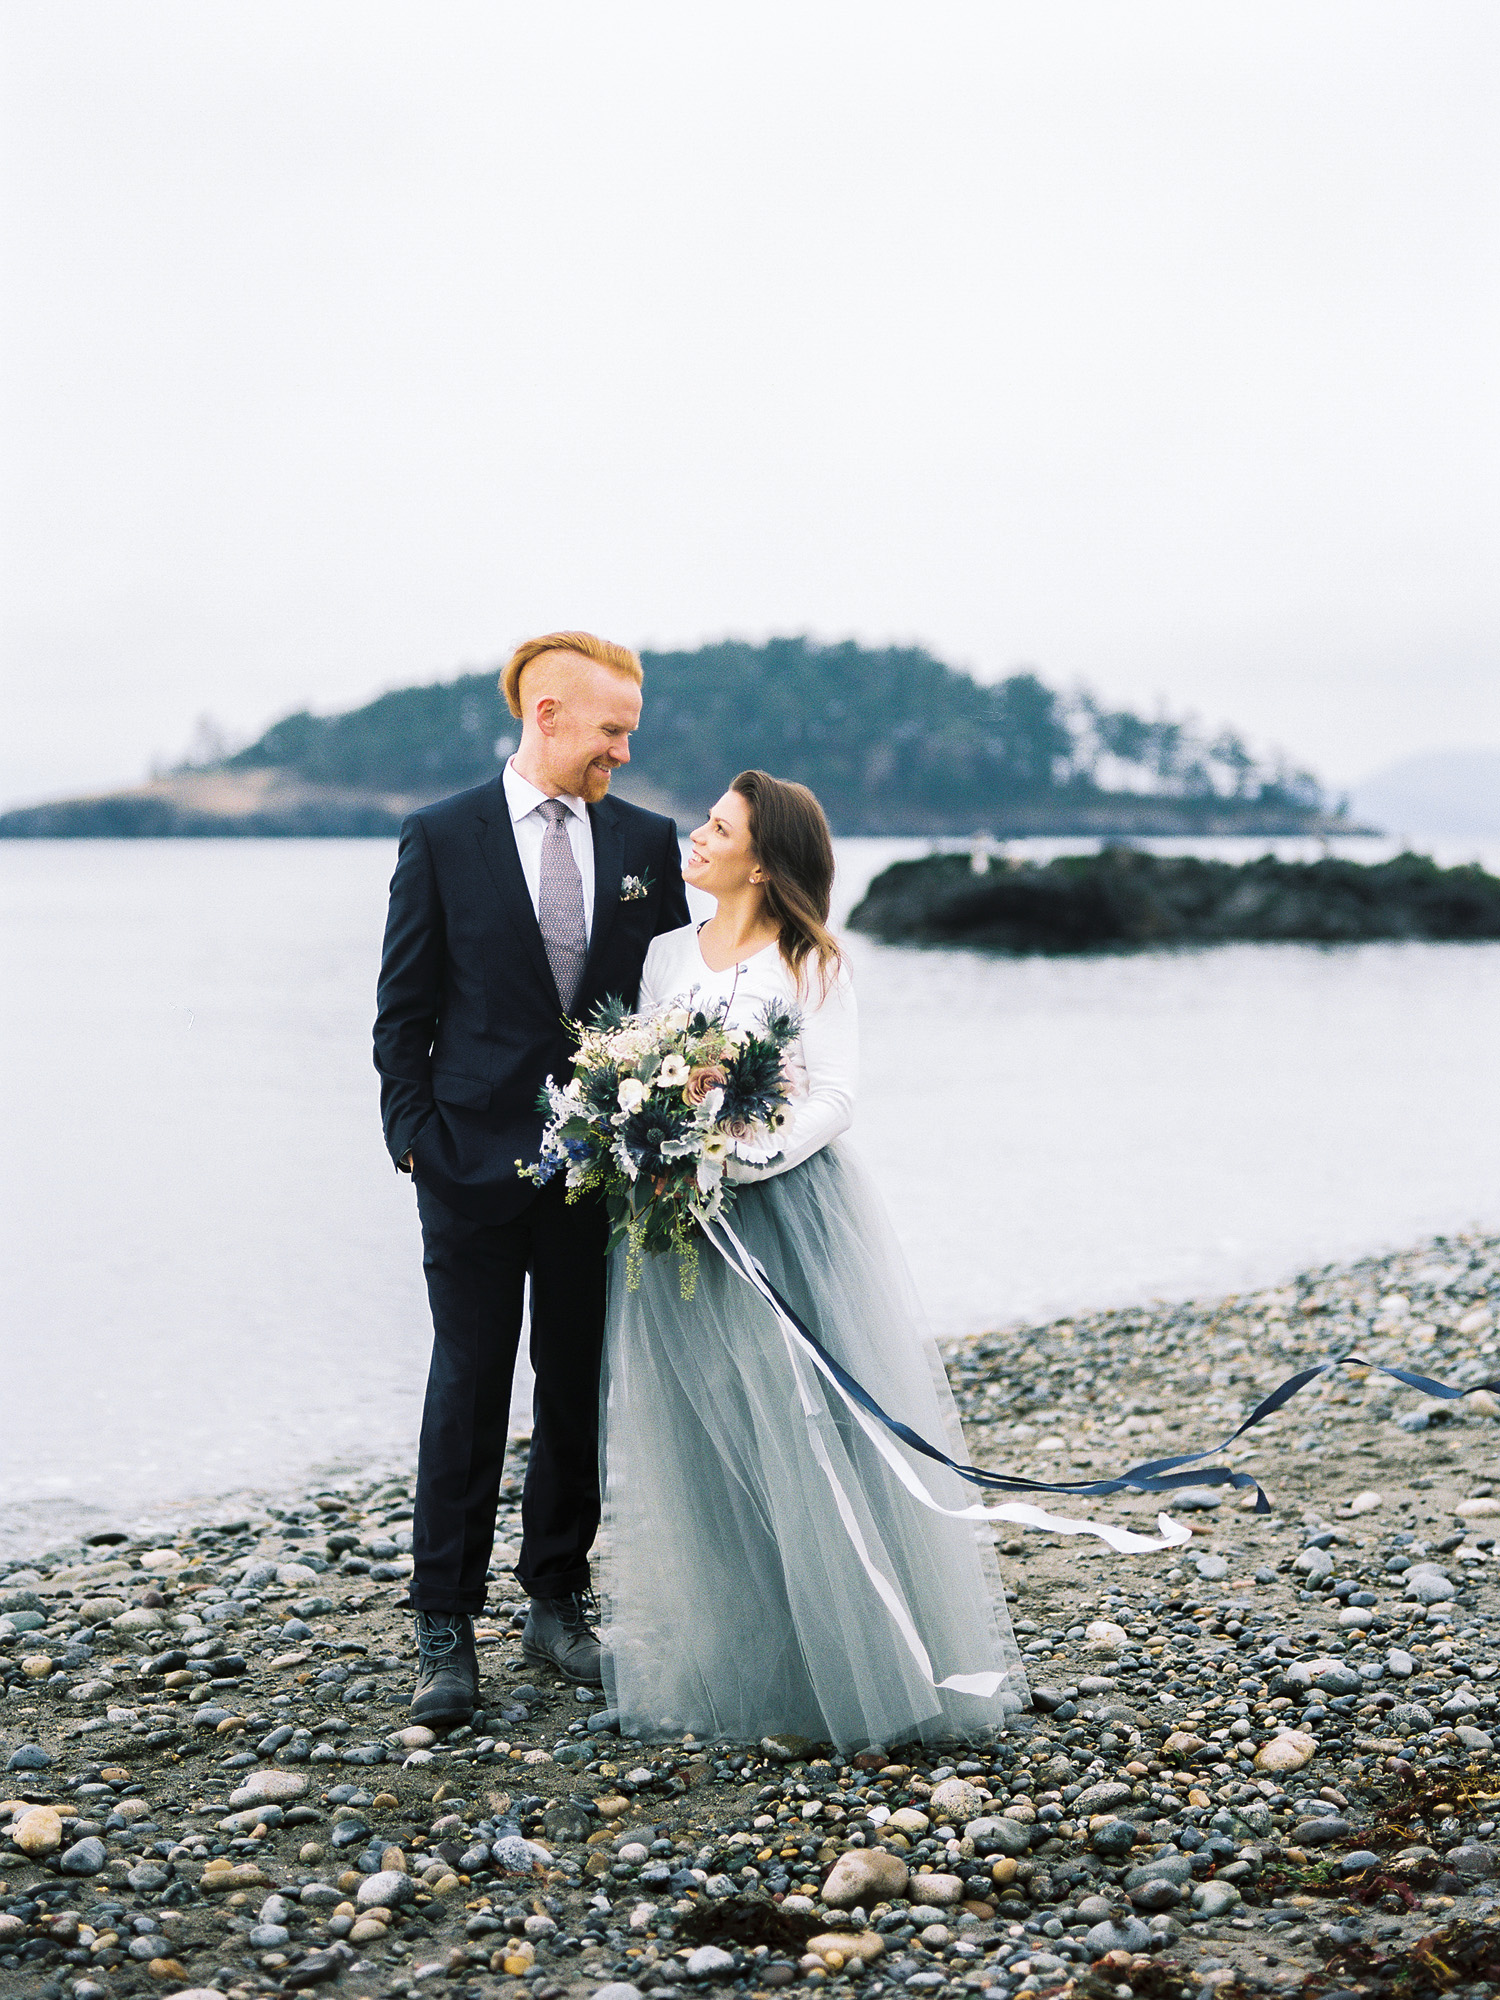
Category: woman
<point>737,1600</point>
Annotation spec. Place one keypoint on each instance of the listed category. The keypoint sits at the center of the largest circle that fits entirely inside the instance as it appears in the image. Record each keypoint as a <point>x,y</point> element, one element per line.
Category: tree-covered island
<point>891,739</point>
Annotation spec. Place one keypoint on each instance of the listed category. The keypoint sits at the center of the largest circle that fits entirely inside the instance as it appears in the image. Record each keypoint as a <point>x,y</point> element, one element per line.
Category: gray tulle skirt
<point>735,1603</point>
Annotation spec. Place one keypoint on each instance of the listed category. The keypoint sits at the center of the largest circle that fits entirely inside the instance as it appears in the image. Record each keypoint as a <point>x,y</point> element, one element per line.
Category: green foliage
<point>889,738</point>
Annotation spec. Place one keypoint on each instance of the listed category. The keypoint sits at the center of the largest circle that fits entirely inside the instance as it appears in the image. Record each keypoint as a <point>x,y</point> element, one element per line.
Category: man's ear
<point>547,710</point>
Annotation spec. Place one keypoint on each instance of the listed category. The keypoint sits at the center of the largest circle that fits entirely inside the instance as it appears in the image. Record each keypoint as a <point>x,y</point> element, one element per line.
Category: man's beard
<point>593,785</point>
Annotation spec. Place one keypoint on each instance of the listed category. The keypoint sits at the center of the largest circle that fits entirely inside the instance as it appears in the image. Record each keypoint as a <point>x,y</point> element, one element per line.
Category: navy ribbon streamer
<point>1157,1475</point>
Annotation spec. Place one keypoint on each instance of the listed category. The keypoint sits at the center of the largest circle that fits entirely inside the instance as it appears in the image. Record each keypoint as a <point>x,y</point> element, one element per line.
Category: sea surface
<point>210,1276</point>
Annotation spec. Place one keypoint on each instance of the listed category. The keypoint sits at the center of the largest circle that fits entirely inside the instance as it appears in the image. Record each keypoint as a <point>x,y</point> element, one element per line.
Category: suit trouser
<point>476,1273</point>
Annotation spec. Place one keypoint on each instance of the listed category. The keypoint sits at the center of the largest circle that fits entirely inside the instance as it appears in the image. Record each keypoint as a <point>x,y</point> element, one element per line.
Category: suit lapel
<point>609,864</point>
<point>497,845</point>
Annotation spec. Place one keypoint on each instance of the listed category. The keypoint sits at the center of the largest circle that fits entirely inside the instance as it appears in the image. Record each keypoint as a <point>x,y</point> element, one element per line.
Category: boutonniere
<point>635,888</point>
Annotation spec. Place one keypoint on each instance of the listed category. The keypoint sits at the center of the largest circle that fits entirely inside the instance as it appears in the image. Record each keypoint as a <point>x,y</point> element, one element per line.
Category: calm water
<point>210,1277</point>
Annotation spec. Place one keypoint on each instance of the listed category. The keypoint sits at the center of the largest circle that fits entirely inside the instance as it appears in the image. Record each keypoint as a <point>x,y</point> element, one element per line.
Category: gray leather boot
<point>558,1634</point>
<point>447,1689</point>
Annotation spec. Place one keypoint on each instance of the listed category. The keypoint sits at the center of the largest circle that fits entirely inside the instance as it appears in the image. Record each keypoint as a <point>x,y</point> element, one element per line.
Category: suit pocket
<point>472,1092</point>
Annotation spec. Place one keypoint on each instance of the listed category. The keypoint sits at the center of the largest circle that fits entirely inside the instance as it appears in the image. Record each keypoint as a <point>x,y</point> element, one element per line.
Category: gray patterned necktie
<point>559,907</point>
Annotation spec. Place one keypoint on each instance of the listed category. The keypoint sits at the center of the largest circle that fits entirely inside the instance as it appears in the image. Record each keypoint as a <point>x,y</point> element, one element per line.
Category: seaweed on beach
<point>1457,1954</point>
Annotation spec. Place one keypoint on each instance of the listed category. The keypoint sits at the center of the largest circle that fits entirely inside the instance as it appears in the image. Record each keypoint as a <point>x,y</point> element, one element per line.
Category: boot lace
<point>439,1634</point>
<point>579,1611</point>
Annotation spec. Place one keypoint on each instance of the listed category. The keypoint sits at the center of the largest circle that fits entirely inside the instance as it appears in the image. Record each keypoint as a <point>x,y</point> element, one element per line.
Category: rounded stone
<point>84,1857</point>
<point>1333,1677</point>
<point>265,1787</point>
<point>1428,1588</point>
<point>1104,1636</point>
<point>957,1800</point>
<point>617,1989</point>
<point>1287,1752</point>
<point>390,1888</point>
<point>1156,1894</point>
<point>943,1891</point>
<point>140,1618</point>
<point>865,1876</point>
<point>1009,1835</point>
<point>709,1962</point>
<point>1129,1934</point>
<point>1116,1836</point>
<point>866,1946</point>
<point>268,1937</point>
<point>1212,1899</point>
<point>29,1757</point>
<point>38,1831</point>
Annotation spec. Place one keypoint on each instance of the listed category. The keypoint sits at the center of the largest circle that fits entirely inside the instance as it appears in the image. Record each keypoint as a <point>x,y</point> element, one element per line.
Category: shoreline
<point>1260,1761</point>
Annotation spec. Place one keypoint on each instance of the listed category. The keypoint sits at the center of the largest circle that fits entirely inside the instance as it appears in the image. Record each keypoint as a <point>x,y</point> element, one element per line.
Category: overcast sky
<point>1151,345</point>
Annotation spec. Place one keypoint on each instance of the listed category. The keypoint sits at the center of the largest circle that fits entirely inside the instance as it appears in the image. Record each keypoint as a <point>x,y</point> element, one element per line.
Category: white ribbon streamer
<point>747,1266</point>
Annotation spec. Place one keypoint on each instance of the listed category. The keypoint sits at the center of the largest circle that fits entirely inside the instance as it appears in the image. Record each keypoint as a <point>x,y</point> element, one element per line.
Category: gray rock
<point>1129,1934</point>
<point>1400,1665</point>
<point>1411,1715</point>
<point>513,1855</point>
<point>1173,1866</point>
<point>390,1888</point>
<point>1007,1835</point>
<point>1096,1909</point>
<point>29,1757</point>
<point>709,1962</point>
<point>566,1821</point>
<point>1255,1815</point>
<point>1429,1589</point>
<point>1201,1497</point>
<point>84,1857</point>
<point>1314,1562</point>
<point>1460,1702</point>
<point>1472,1858</point>
<point>20,1600</point>
<point>147,1877</point>
<point>1099,1798</point>
<point>268,1937</point>
<point>1320,1832</point>
<point>1474,1739</point>
<point>1211,1568</point>
<point>1156,1894</point>
<point>1358,1859</point>
<point>1116,1836</point>
<point>1339,1679</point>
<point>617,1989</point>
<point>1212,1899</point>
<point>319,1895</point>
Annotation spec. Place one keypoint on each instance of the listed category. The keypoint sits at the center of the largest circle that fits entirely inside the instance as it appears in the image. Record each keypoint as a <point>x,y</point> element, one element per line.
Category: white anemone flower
<point>632,1093</point>
<point>673,1073</point>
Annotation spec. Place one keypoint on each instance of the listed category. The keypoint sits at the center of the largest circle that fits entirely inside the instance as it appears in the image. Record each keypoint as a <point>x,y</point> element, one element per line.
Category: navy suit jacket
<point>469,1024</point>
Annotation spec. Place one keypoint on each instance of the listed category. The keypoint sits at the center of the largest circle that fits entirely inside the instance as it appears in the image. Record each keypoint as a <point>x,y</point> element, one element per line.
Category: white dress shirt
<point>530,827</point>
<point>824,1059</point>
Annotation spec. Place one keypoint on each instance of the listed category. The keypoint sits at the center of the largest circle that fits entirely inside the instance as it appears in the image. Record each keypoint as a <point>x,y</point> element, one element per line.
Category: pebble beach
<point>1264,1762</point>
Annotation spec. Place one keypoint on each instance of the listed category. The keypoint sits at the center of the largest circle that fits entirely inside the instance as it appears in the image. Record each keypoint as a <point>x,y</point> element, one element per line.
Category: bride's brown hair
<point>795,850</point>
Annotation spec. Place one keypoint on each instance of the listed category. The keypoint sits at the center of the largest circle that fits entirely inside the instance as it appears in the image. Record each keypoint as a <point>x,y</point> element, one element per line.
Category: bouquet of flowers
<point>658,1105</point>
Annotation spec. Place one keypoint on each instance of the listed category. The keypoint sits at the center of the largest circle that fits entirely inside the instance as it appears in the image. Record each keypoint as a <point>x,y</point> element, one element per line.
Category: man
<point>513,906</point>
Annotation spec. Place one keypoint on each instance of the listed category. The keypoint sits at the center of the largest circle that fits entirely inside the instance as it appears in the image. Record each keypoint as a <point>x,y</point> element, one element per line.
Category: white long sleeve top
<point>824,1059</point>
